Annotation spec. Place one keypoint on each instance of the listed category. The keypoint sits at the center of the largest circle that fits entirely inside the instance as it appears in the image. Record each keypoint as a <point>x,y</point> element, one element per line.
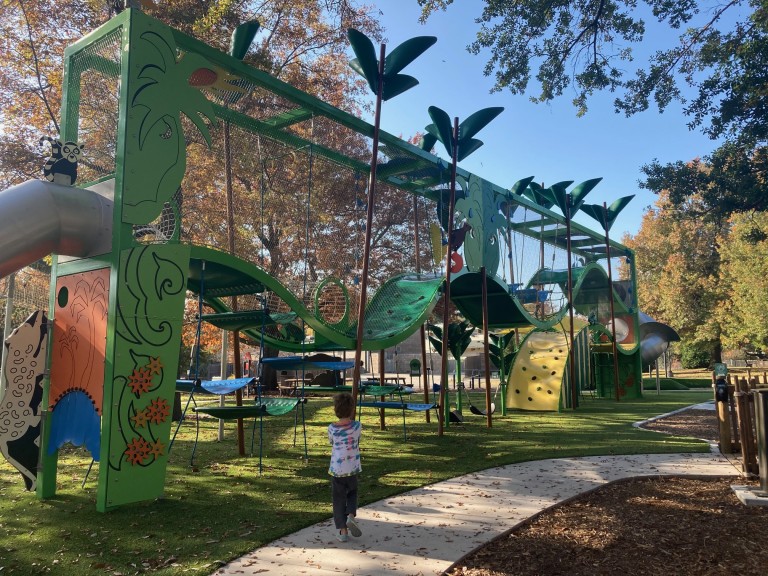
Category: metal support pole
<point>571,346</point>
<point>368,228</point>
<point>7,327</point>
<point>444,409</point>
<point>223,372</point>
<point>610,299</point>
<point>488,411</point>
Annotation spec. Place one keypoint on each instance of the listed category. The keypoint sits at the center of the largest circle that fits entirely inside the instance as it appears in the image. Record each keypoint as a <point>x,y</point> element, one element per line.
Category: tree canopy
<point>715,65</point>
<point>678,269</point>
<point>744,276</point>
<point>302,42</point>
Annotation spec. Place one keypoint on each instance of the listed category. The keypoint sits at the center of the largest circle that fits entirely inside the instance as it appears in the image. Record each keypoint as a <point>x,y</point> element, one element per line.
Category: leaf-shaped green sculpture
<point>519,187</point>
<point>367,65</point>
<point>542,196</point>
<point>507,206</point>
<point>397,84</point>
<point>459,338</point>
<point>557,193</point>
<point>477,121</point>
<point>242,38</point>
<point>428,142</point>
<point>406,53</point>
<point>500,352</point>
<point>580,192</point>
<point>442,130</point>
<point>607,217</point>
<point>466,147</point>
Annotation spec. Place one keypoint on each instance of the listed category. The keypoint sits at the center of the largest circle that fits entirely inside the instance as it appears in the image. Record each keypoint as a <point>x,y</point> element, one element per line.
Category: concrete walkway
<point>427,530</point>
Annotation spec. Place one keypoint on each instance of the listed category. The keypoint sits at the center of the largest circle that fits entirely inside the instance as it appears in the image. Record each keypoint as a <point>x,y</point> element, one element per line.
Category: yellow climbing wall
<point>536,378</point>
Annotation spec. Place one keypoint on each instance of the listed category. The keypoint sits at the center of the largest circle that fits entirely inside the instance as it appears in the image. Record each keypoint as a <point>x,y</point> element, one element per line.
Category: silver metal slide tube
<point>38,218</point>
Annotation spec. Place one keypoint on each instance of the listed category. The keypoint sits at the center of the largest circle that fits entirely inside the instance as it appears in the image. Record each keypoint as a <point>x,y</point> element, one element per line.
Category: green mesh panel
<point>267,407</point>
<point>93,92</point>
<point>279,406</point>
<point>400,306</point>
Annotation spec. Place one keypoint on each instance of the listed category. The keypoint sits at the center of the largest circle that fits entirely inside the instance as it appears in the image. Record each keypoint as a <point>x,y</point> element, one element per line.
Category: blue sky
<point>547,141</point>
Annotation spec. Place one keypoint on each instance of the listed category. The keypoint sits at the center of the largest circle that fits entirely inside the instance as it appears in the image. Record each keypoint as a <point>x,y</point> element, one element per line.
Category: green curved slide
<point>396,310</point>
<point>507,309</point>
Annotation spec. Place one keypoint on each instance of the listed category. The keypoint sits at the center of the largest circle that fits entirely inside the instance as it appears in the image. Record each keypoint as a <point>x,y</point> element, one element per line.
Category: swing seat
<point>477,411</point>
<point>267,407</point>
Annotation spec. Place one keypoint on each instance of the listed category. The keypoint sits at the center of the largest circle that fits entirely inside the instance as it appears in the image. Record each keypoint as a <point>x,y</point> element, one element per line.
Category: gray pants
<point>344,498</point>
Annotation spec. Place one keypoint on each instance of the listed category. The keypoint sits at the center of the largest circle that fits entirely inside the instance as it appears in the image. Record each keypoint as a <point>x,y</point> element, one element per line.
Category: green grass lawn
<point>222,507</point>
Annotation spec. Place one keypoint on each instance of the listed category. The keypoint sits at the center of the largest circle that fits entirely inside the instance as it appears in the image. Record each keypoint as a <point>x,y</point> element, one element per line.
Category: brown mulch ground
<point>669,526</point>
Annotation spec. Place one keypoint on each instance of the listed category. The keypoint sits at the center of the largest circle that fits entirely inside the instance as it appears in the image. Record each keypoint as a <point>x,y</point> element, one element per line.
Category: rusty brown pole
<point>445,410</point>
<point>488,411</point>
<point>231,242</point>
<point>422,331</point>
<point>572,347</point>
<point>368,227</point>
<point>610,299</point>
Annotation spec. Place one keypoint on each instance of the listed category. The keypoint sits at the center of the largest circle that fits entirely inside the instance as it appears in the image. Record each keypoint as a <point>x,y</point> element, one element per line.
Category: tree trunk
<point>717,351</point>
<point>269,374</point>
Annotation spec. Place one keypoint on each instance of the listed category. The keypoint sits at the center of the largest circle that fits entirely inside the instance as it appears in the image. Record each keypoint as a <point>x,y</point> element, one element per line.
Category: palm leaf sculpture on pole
<point>606,216</point>
<point>384,79</point>
<point>569,204</point>
<point>502,352</point>
<point>459,142</point>
<point>458,337</point>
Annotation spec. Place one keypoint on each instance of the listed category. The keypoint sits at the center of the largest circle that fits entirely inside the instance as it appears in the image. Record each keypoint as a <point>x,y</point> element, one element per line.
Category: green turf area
<point>223,508</point>
<point>678,383</point>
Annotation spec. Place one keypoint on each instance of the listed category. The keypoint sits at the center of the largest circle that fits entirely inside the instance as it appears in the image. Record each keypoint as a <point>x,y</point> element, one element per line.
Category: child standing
<point>344,436</point>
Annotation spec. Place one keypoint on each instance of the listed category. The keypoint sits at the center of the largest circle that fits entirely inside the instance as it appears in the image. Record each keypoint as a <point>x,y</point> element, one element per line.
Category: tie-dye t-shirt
<point>345,454</point>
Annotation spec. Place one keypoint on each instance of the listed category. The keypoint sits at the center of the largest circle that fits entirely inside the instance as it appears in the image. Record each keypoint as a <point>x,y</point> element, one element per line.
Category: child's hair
<point>344,405</point>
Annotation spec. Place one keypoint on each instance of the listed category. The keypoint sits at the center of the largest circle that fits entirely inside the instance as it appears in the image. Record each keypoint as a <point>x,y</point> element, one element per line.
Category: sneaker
<point>353,527</point>
<point>342,537</point>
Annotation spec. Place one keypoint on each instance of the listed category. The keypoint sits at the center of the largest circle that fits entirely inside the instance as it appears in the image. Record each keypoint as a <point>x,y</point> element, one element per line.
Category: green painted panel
<point>480,210</point>
<point>504,311</point>
<point>160,90</point>
<point>152,284</point>
<point>241,320</point>
<point>397,309</point>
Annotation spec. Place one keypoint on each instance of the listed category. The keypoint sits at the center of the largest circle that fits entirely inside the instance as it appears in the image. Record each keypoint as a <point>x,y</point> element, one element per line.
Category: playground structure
<point>149,223</point>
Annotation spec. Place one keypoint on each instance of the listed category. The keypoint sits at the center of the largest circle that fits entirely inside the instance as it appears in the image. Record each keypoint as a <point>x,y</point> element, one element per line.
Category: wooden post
<point>732,413</point>
<point>724,424</point>
<point>746,430</point>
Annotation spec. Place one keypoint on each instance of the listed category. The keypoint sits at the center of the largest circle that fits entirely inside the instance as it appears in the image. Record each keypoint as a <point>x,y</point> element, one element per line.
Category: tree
<point>585,45</point>
<point>721,57</point>
<point>731,179</point>
<point>744,277</point>
<point>678,264</point>
<point>305,46</point>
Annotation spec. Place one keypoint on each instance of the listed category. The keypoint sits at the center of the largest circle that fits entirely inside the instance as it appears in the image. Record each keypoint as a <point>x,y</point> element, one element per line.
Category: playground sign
<point>721,370</point>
